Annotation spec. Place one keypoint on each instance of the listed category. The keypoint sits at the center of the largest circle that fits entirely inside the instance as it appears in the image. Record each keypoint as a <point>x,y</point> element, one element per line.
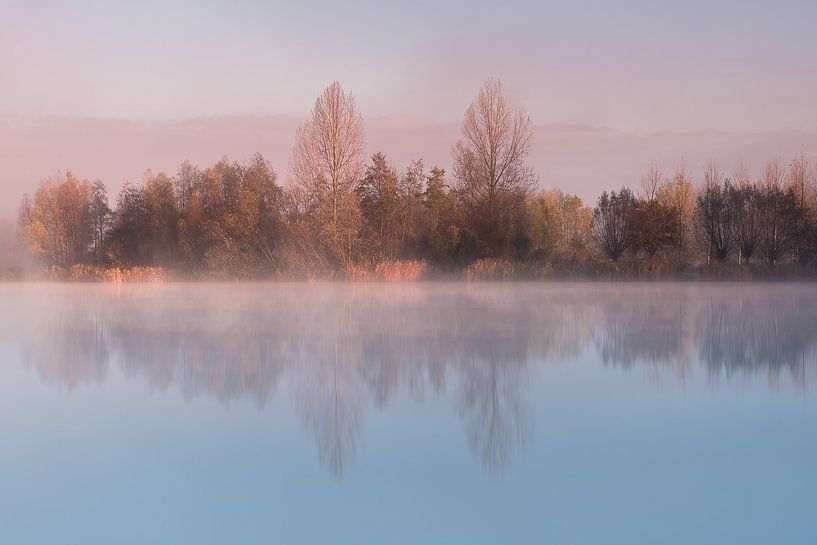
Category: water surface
<point>408,414</point>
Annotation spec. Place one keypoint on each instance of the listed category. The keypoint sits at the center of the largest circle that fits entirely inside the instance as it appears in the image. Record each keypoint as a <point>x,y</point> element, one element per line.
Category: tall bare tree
<point>328,154</point>
<point>489,161</point>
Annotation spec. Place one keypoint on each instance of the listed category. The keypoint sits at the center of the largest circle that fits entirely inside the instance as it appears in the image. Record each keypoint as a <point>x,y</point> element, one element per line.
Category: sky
<point>110,89</point>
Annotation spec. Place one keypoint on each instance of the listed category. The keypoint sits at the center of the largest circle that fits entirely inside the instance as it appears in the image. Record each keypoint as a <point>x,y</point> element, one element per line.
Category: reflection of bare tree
<point>497,420</point>
<point>331,404</point>
<point>329,394</point>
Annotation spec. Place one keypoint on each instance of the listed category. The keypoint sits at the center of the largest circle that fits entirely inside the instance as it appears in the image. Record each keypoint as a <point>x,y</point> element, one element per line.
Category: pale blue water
<point>408,414</point>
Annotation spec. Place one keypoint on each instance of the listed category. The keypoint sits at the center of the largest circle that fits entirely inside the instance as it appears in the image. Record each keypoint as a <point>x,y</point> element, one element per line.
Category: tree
<point>144,229</point>
<point>242,233</point>
<point>557,221</point>
<point>489,165</point>
<point>544,220</point>
<point>652,225</point>
<point>714,215</point>
<point>743,198</point>
<point>56,223</point>
<point>327,159</point>
<point>801,194</point>
<point>99,213</point>
<point>380,206</point>
<point>326,163</point>
<point>126,239</point>
<point>775,212</point>
<point>652,222</point>
<point>435,198</point>
<point>161,227</point>
<point>410,190</point>
<point>651,183</point>
<point>612,231</point>
<point>259,221</point>
<point>679,197</point>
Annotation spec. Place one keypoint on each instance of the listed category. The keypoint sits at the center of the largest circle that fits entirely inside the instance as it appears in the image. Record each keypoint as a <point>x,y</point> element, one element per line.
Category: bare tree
<point>715,218</point>
<point>489,160</point>
<point>328,154</point>
<point>744,202</point>
<point>612,231</point>
<point>651,183</point>
<point>775,212</point>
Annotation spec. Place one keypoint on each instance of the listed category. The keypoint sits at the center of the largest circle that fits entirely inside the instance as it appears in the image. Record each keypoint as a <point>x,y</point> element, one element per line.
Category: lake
<point>425,413</point>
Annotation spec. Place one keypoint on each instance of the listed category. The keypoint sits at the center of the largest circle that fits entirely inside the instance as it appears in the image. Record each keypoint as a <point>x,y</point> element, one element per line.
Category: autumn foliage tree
<point>59,223</point>
<point>652,223</point>
<point>679,197</point>
<point>557,221</point>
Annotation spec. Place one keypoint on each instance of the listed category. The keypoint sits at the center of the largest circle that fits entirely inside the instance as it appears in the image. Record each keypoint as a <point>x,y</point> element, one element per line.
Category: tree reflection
<point>760,335</point>
<point>329,392</point>
<point>496,415</point>
<point>732,331</point>
<point>67,346</point>
<point>345,349</point>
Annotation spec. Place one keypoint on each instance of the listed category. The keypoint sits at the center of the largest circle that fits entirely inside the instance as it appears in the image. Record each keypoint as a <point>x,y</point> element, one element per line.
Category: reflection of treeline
<point>746,337</point>
<point>735,333</point>
<point>340,214</point>
<point>339,348</point>
<point>238,344</point>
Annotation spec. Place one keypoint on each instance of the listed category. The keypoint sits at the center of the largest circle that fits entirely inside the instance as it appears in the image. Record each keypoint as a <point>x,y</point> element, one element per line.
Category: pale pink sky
<point>576,158</point>
<point>110,89</point>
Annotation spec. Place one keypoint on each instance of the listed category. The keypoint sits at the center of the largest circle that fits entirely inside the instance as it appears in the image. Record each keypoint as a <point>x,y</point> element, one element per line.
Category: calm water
<point>410,414</point>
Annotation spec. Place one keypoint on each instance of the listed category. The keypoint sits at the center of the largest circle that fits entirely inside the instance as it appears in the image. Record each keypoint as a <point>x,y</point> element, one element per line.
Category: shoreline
<point>689,275</point>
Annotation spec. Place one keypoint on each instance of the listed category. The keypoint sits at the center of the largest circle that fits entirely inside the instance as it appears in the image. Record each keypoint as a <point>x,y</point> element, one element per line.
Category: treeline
<point>339,215</point>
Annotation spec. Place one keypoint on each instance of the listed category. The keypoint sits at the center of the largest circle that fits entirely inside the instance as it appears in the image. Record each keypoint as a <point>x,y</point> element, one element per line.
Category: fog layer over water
<point>433,413</point>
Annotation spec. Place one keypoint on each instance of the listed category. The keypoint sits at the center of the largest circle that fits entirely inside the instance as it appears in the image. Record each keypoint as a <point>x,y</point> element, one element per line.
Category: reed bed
<point>394,270</point>
<point>113,275</point>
